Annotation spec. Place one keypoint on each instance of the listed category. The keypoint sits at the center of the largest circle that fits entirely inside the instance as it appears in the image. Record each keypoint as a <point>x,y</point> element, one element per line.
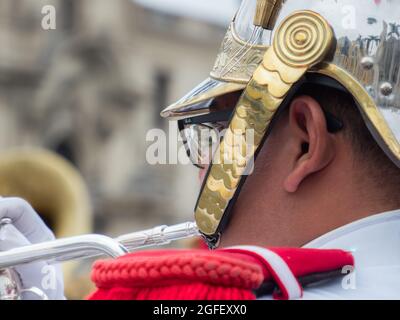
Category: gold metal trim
<point>267,13</point>
<point>365,102</point>
<point>242,42</point>
<point>280,70</point>
<point>244,68</point>
<point>234,79</point>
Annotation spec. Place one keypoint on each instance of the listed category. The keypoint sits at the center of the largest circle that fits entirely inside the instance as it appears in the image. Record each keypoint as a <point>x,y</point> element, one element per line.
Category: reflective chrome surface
<point>367,57</point>
<point>62,249</point>
<point>198,101</point>
<point>88,246</point>
<point>158,236</point>
<point>368,51</point>
<point>368,35</point>
<point>241,51</point>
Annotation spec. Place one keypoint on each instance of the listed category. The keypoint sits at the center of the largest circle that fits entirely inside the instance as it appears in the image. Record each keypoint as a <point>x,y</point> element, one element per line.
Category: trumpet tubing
<point>89,246</point>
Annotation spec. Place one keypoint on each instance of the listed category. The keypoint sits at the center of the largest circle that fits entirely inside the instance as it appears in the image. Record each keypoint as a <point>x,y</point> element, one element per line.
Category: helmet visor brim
<point>198,101</point>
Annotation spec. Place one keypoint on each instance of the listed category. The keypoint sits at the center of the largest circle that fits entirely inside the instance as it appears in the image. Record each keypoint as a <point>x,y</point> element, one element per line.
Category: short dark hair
<point>380,169</point>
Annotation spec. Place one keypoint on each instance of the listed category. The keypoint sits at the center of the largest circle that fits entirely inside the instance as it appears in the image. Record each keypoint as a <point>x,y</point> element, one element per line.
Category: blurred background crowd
<point>89,91</point>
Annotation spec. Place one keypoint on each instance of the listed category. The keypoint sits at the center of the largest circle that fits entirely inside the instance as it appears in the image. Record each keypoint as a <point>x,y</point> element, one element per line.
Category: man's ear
<point>316,148</point>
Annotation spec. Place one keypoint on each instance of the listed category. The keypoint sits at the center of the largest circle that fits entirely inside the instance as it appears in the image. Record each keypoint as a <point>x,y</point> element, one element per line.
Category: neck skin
<point>327,201</point>
<point>270,212</point>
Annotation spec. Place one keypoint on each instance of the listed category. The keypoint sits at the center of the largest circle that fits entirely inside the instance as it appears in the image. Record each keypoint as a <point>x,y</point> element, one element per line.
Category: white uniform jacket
<point>375,244</point>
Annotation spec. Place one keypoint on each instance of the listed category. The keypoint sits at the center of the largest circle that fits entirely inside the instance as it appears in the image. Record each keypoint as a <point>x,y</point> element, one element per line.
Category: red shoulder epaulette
<point>230,274</point>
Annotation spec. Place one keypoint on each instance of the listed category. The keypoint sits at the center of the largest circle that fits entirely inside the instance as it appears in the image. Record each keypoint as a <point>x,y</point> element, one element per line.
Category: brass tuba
<point>56,190</point>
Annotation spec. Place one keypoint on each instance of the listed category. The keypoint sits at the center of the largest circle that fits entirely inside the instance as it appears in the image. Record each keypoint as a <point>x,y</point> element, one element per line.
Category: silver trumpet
<point>83,247</point>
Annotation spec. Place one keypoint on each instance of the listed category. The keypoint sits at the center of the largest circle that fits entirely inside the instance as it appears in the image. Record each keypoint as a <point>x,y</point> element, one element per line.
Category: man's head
<point>308,181</point>
<point>303,167</point>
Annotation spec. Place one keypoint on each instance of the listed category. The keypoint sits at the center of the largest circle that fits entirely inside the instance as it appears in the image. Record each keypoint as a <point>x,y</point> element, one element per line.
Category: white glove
<point>39,280</point>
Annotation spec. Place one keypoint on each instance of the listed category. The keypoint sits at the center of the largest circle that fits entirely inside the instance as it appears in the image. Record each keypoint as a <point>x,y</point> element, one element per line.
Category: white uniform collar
<point>375,244</point>
<point>374,241</point>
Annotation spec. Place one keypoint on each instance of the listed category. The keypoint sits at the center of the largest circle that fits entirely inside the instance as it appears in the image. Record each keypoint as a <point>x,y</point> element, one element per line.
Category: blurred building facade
<point>93,87</point>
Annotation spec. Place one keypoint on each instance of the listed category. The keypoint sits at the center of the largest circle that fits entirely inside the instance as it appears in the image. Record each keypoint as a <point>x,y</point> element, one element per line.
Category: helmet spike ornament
<point>267,13</point>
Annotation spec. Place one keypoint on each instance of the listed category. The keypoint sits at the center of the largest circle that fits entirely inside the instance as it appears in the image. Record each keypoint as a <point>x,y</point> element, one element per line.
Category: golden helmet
<point>273,46</point>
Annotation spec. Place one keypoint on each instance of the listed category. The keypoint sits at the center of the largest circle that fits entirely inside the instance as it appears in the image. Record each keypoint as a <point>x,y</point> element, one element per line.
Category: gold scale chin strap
<point>302,41</point>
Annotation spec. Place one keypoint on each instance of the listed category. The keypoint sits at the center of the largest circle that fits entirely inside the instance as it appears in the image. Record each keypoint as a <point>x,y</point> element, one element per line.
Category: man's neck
<point>331,204</point>
<point>324,203</point>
